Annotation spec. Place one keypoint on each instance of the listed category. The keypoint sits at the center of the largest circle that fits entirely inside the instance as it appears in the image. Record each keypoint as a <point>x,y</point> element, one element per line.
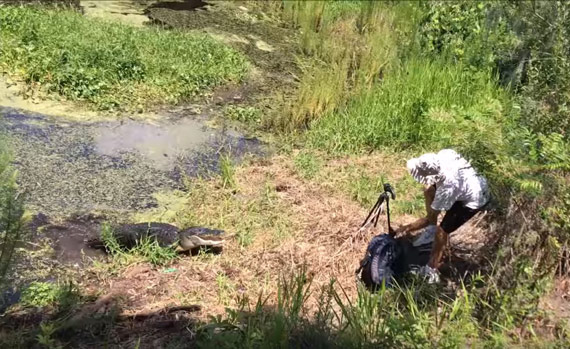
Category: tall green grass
<point>424,103</point>
<point>414,315</point>
<point>11,213</point>
<point>111,65</point>
<point>345,47</point>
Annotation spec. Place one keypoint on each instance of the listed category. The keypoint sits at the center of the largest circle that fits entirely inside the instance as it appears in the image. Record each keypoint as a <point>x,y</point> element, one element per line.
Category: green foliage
<point>449,26</point>
<point>146,248</point>
<point>110,65</point>
<point>365,190</point>
<point>248,115</point>
<point>411,316</point>
<point>11,212</point>
<point>550,152</point>
<point>41,294</point>
<point>423,104</point>
<point>544,31</point>
<point>245,237</point>
<point>558,215</point>
<point>307,164</point>
<point>225,289</point>
<point>227,172</point>
<point>346,47</point>
<point>45,337</point>
<point>525,42</point>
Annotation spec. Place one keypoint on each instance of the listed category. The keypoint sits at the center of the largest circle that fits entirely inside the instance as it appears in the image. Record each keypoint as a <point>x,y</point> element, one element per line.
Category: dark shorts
<point>457,215</point>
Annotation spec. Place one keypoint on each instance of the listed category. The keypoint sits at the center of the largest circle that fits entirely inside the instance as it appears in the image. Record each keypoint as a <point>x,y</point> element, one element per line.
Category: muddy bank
<point>269,45</point>
<point>115,165</point>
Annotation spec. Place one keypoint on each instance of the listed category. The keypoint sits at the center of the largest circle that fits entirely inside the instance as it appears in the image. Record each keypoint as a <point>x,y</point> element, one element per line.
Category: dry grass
<point>277,223</point>
<point>277,219</point>
<point>291,222</point>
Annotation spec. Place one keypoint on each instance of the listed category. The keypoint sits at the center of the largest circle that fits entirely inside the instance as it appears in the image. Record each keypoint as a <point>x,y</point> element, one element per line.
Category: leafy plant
<point>45,337</point>
<point>243,114</point>
<point>64,295</point>
<point>40,294</point>
<point>109,65</point>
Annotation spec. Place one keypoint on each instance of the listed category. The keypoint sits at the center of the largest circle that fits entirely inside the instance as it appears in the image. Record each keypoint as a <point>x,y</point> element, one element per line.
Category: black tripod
<point>374,214</point>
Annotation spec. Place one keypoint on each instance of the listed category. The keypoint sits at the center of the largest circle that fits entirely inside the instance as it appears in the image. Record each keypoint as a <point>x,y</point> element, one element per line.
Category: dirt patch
<point>127,12</point>
<point>323,236</point>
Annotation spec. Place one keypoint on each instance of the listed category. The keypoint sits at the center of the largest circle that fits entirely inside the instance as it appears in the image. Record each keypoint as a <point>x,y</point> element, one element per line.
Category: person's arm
<point>430,218</point>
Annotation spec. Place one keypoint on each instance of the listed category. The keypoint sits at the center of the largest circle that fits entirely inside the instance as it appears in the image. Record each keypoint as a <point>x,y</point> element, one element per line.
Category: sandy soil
<point>128,12</point>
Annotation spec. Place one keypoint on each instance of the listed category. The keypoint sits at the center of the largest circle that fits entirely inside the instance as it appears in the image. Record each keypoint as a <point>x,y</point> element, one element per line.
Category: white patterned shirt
<point>458,181</point>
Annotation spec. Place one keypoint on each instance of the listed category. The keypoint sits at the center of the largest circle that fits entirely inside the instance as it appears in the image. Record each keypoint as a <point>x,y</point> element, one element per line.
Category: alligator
<point>167,235</point>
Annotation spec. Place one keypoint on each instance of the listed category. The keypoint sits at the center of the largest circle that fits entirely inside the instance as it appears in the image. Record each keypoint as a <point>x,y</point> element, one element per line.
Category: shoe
<point>431,275</point>
<point>200,237</point>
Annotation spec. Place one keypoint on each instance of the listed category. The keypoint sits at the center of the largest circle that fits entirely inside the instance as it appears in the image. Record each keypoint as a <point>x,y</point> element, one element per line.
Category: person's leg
<point>455,217</point>
<point>440,242</point>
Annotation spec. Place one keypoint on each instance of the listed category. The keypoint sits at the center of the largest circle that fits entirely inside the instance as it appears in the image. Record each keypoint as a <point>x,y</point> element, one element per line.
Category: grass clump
<point>42,294</point>
<point>147,249</point>
<point>415,315</point>
<point>227,172</point>
<point>109,65</point>
<point>345,47</point>
<point>423,103</point>
<point>307,164</point>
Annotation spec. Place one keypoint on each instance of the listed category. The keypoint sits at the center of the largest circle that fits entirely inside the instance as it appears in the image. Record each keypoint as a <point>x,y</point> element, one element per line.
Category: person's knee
<point>441,233</point>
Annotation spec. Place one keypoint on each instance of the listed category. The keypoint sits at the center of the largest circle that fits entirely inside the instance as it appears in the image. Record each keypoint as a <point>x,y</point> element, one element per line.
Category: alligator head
<point>198,236</point>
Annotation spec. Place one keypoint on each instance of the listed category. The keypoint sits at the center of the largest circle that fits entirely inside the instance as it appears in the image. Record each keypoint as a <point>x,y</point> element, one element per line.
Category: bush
<point>525,42</point>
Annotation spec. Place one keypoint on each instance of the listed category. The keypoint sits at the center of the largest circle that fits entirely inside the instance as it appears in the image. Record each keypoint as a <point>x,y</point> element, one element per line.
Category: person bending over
<point>451,185</point>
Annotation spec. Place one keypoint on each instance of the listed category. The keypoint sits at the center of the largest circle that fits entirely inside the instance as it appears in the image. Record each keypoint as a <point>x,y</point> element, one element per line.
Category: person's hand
<point>401,230</point>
